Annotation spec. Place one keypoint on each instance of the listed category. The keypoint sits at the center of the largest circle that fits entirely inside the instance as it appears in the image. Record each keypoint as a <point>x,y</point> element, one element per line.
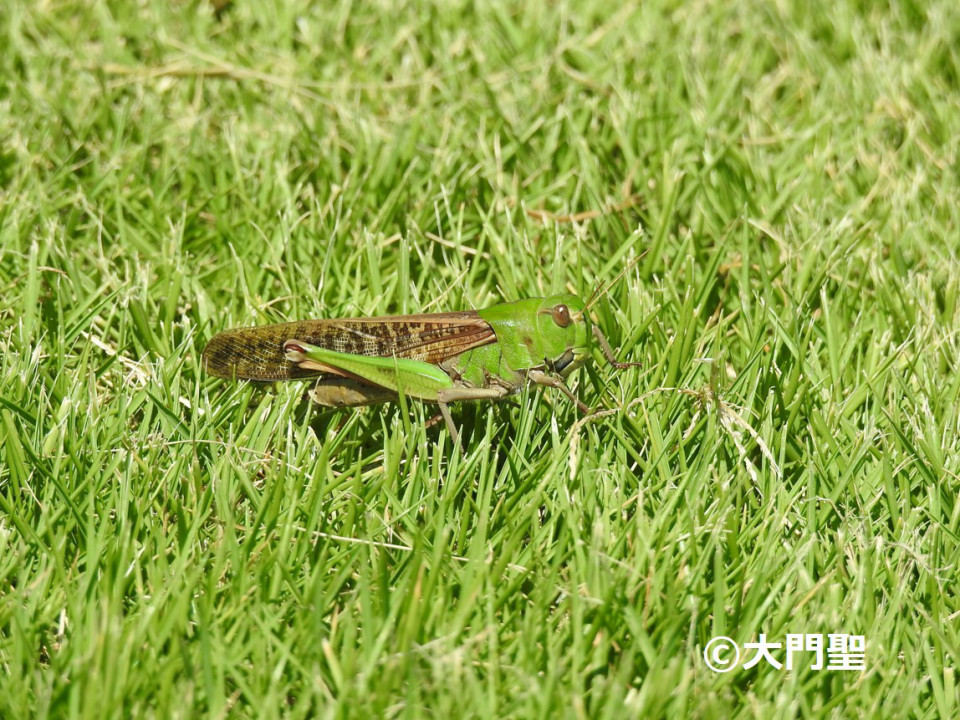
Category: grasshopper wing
<point>256,353</point>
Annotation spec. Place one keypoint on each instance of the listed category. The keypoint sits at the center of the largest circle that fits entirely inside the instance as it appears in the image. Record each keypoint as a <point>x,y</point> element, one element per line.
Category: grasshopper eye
<point>561,315</point>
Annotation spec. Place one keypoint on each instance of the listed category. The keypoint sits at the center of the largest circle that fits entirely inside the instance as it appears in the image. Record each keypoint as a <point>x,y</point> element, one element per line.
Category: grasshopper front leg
<point>608,351</point>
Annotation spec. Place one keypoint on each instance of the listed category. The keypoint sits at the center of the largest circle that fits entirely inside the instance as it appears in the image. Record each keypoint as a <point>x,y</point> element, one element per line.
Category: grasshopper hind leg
<point>455,394</point>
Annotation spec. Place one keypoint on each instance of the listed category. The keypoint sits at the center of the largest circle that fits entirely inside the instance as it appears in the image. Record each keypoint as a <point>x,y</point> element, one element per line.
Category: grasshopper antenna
<point>600,337</point>
<point>601,290</point>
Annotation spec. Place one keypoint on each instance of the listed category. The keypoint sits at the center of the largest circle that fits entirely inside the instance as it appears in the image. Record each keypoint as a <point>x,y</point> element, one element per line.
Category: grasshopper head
<point>564,327</point>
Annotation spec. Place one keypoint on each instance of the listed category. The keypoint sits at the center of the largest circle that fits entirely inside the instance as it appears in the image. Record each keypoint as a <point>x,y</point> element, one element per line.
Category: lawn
<point>777,184</point>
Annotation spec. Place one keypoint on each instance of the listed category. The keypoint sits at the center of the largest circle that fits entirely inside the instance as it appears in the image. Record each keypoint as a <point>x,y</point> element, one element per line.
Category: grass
<point>173,546</point>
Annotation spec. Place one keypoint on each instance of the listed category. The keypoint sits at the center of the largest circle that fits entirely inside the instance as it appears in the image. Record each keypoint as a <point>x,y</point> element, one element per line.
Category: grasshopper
<point>442,358</point>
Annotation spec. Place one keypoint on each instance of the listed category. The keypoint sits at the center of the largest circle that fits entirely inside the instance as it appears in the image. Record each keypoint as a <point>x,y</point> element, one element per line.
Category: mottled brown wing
<point>256,353</point>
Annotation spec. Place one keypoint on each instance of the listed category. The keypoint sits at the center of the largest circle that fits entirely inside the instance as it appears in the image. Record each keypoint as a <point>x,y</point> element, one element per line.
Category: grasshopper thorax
<point>549,332</point>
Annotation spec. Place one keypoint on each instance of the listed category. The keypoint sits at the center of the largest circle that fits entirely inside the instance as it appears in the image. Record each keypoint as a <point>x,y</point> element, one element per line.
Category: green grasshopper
<point>486,354</point>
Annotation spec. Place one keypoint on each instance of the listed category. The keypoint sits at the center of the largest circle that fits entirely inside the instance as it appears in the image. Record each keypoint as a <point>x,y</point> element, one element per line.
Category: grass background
<point>173,546</point>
